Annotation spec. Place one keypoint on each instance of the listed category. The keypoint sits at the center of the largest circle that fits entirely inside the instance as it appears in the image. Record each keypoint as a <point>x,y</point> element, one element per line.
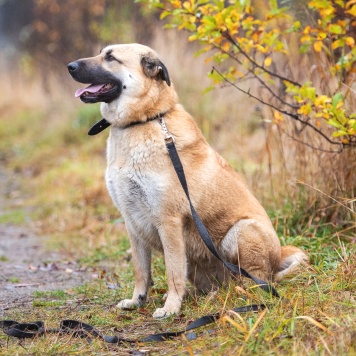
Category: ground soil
<point>26,265</point>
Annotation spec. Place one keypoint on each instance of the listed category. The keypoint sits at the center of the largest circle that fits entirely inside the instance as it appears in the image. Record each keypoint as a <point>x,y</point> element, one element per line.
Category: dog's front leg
<point>141,258</point>
<point>176,266</point>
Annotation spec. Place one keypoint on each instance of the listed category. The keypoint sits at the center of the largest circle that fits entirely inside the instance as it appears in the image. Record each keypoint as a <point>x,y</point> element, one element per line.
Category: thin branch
<point>228,37</point>
<point>294,116</point>
<point>257,77</point>
<point>255,97</point>
<point>309,145</point>
<point>275,95</point>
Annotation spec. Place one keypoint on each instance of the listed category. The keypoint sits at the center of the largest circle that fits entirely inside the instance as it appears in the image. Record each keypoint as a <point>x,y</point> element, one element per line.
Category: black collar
<point>103,124</point>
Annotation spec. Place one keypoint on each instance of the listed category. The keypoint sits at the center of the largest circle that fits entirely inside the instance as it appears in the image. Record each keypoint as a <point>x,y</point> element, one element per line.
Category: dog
<point>135,91</point>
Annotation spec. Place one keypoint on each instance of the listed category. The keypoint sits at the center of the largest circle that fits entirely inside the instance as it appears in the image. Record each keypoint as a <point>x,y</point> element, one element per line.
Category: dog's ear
<point>154,68</point>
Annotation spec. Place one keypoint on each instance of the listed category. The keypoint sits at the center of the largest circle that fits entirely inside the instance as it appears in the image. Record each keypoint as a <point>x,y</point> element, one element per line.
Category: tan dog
<point>134,88</point>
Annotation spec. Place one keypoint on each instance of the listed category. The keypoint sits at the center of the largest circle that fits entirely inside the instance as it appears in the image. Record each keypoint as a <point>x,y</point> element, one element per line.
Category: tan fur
<point>145,188</point>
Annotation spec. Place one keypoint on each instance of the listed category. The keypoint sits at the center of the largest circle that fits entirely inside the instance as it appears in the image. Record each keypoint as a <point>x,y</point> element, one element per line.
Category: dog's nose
<point>72,67</point>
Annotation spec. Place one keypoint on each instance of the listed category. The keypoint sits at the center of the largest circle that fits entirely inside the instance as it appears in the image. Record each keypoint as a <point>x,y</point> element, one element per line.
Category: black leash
<point>83,330</point>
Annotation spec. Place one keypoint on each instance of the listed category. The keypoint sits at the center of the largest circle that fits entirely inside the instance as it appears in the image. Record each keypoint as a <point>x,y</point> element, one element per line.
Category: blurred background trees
<point>299,176</point>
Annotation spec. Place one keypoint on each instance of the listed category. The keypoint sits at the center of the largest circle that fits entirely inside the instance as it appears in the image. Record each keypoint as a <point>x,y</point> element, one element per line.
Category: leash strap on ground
<point>83,330</point>
<point>178,167</point>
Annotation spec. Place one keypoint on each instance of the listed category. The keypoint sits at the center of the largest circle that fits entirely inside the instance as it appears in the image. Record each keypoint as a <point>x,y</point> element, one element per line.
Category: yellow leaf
<point>267,61</point>
<point>186,5</point>
<point>304,109</point>
<point>255,37</point>
<point>321,36</point>
<point>318,46</point>
<point>305,39</point>
<point>177,4</point>
<point>352,11</point>
<point>278,116</point>
<point>349,3</point>
<point>261,48</point>
<point>249,9</point>
<point>350,41</point>
<point>321,100</point>
<point>326,12</point>
<point>337,44</point>
<point>339,104</point>
<point>226,46</point>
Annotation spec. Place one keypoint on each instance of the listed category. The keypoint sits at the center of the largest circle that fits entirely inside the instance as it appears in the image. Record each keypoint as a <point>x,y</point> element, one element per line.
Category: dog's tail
<point>291,258</point>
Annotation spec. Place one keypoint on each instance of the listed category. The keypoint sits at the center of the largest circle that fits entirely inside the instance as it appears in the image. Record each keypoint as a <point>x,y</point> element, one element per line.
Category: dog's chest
<point>134,192</point>
<point>135,178</point>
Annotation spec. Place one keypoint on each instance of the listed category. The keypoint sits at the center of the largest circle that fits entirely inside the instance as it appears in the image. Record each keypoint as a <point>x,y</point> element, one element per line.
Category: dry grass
<point>43,138</point>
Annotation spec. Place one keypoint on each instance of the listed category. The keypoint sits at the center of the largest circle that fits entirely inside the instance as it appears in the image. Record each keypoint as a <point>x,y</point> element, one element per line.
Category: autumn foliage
<point>263,43</point>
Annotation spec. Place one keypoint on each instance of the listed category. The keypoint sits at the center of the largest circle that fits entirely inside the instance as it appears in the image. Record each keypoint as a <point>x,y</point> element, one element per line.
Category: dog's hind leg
<point>141,258</point>
<point>254,246</point>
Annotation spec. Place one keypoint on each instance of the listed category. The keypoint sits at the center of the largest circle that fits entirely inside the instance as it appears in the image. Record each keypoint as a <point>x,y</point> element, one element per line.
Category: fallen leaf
<point>143,311</point>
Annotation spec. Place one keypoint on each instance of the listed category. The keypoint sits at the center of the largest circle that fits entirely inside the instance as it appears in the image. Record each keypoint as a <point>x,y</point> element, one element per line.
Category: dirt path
<point>25,265</point>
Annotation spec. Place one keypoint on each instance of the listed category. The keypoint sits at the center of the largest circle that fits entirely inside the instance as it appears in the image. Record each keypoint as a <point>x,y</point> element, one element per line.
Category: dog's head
<point>123,76</point>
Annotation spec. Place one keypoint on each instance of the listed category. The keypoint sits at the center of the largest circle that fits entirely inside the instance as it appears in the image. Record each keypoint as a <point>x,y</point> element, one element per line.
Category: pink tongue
<point>90,89</point>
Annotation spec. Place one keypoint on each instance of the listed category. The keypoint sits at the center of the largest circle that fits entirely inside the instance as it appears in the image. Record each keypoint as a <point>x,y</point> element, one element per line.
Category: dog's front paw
<point>126,303</point>
<point>162,313</point>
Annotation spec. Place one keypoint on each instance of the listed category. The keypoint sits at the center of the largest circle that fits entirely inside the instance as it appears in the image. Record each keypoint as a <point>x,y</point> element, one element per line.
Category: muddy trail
<point>26,265</point>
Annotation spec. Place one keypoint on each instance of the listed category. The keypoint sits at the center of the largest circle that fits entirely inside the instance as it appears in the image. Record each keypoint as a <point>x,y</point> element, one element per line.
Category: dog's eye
<point>109,57</point>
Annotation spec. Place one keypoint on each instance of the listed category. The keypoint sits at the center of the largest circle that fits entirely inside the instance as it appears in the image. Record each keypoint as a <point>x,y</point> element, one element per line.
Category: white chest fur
<point>136,176</point>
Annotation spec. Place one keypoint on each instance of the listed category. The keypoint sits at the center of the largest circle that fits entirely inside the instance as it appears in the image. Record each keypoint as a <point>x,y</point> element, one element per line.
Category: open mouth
<point>98,92</point>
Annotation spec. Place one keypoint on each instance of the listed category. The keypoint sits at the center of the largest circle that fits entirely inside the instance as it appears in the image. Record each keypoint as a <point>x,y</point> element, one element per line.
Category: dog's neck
<point>103,124</point>
<point>131,108</point>
<point>156,117</point>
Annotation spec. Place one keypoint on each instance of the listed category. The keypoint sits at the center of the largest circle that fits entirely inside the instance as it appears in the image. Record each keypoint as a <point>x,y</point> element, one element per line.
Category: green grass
<point>58,294</point>
<point>13,280</point>
<point>69,202</point>
<point>17,216</point>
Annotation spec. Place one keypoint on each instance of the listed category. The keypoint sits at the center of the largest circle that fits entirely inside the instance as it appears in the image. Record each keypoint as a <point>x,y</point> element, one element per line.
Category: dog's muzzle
<point>104,87</point>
